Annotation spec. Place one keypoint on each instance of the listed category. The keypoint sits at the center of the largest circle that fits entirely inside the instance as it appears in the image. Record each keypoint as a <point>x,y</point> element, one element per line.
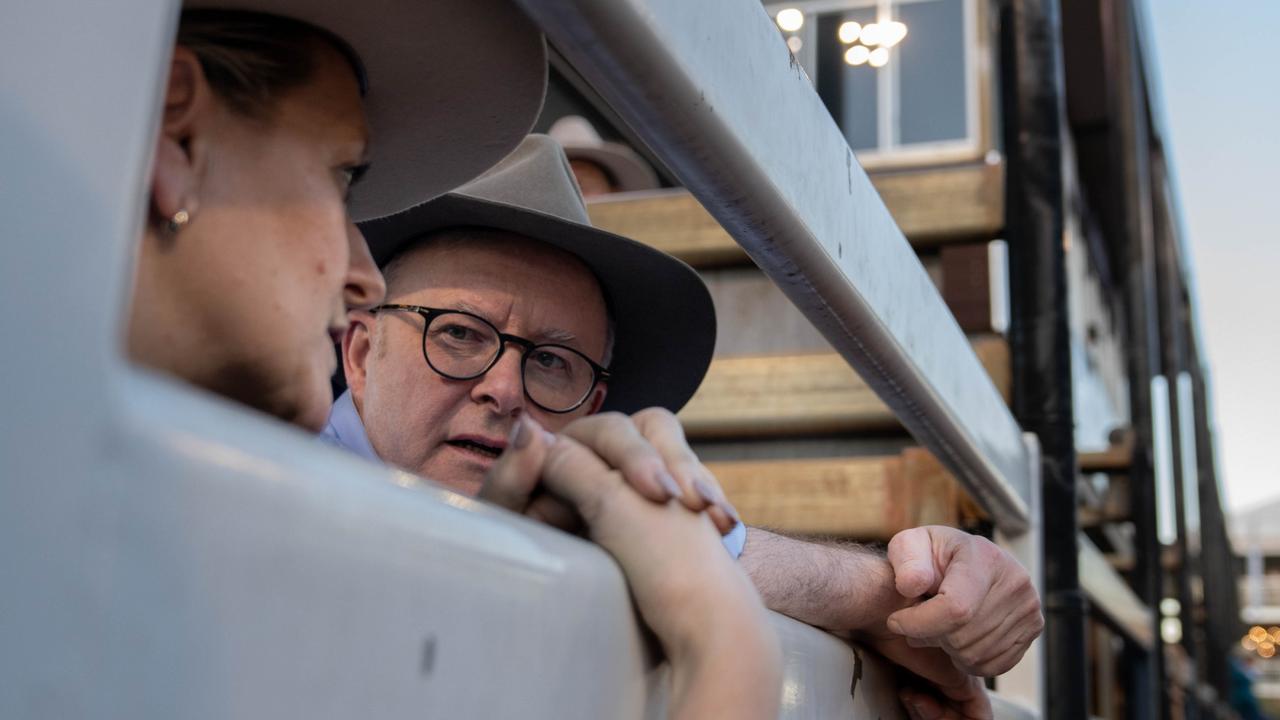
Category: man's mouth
<point>484,448</point>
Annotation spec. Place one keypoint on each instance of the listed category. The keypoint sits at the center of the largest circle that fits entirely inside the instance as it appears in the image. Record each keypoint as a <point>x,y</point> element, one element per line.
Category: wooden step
<point>789,395</point>
<point>932,206</point>
<point>867,498</point>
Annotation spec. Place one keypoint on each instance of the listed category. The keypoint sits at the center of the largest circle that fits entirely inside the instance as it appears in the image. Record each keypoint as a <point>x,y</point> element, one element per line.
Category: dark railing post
<point>1034,121</point>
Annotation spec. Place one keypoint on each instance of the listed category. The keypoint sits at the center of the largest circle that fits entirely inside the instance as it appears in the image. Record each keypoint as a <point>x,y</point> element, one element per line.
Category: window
<point>905,92</point>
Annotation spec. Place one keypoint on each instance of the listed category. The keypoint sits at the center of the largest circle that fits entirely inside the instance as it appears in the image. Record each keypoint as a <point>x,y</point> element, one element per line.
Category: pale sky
<point>1217,66</point>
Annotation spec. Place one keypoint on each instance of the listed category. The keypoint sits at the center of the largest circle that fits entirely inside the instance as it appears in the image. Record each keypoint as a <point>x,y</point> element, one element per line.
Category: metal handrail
<point>775,171</point>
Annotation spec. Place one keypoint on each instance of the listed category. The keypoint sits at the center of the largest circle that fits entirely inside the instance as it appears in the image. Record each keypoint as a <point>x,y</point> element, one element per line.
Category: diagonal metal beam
<point>715,93</point>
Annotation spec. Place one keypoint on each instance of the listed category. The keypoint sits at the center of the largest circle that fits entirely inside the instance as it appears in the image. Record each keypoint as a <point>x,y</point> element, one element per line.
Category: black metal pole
<point>1131,151</point>
<point>1222,605</point>
<point>1172,363</point>
<point>1034,121</point>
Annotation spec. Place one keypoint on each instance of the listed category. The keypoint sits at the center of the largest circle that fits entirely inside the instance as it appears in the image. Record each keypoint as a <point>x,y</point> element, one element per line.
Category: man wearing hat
<point>599,166</point>
<point>503,303</point>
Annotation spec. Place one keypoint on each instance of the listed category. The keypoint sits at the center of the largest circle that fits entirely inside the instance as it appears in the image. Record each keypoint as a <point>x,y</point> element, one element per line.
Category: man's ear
<point>597,398</point>
<point>180,148</point>
<point>357,343</point>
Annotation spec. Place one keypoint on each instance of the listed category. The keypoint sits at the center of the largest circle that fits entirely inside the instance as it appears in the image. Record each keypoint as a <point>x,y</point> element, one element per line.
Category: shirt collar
<point>346,429</point>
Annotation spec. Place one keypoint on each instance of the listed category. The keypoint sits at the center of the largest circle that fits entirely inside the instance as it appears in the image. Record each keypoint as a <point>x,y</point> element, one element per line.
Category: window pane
<point>931,72</point>
<point>848,91</point>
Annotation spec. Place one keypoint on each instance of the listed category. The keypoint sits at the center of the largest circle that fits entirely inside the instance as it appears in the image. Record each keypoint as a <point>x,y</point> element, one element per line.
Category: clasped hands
<point>967,609</point>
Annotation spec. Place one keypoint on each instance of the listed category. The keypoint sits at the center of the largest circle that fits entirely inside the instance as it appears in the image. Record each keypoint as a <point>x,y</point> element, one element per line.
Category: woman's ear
<point>179,153</point>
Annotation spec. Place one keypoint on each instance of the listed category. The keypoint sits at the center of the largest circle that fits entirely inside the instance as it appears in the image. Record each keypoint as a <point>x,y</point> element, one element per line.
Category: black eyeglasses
<point>462,346</point>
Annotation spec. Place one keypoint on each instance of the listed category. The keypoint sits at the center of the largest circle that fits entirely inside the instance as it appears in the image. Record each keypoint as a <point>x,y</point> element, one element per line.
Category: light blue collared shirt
<point>345,429</point>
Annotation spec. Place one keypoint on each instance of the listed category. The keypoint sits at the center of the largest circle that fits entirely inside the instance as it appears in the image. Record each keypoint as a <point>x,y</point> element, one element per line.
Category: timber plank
<point>931,206</point>
<point>868,498</point>
<point>788,395</point>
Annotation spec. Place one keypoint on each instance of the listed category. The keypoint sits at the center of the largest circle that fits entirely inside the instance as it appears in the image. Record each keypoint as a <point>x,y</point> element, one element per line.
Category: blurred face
<point>248,298</point>
<point>452,430</point>
<point>592,179</point>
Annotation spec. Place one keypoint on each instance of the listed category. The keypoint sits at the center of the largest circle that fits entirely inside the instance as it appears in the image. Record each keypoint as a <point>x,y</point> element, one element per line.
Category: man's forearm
<point>835,586</point>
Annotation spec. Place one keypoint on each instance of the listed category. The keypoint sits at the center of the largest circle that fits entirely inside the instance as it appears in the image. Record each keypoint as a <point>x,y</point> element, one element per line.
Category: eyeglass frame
<point>599,373</point>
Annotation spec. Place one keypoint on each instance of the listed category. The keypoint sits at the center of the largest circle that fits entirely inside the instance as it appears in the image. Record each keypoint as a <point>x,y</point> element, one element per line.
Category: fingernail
<point>521,433</point>
<point>705,491</point>
<point>730,510</point>
<point>895,627</point>
<point>669,484</point>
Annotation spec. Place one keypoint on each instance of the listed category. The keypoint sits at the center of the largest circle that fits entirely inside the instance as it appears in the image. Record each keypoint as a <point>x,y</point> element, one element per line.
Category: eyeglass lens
<point>461,346</point>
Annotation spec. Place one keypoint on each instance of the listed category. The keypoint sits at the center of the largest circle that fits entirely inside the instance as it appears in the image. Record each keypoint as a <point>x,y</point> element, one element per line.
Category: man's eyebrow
<point>553,335</point>
<point>556,335</point>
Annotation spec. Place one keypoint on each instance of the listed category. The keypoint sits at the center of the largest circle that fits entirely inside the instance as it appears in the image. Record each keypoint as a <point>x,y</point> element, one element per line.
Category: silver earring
<point>178,221</point>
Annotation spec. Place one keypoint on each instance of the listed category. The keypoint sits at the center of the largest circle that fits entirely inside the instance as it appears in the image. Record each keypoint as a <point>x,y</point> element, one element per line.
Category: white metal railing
<point>713,90</point>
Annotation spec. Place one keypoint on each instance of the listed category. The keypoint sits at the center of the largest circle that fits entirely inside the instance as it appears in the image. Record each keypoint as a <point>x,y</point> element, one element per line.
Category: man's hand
<point>649,450</point>
<point>979,605</point>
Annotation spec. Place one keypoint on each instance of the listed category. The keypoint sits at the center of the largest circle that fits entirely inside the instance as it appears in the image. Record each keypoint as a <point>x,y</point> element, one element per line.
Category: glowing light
<point>1267,650</point>
<point>1257,634</point>
<point>878,57</point>
<point>894,31</point>
<point>849,32</point>
<point>1247,643</point>
<point>795,43</point>
<point>857,55</point>
<point>790,19</point>
<point>1170,606</point>
<point>872,34</point>
<point>1171,630</point>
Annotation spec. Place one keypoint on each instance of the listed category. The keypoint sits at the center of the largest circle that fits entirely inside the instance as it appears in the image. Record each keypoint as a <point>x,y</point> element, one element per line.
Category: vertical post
<point>1172,354</point>
<point>1034,118</point>
<point>1135,239</point>
<point>1222,604</point>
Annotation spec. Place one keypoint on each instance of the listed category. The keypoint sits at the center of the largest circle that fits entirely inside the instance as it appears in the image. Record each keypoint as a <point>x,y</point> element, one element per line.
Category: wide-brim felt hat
<point>625,167</point>
<point>452,87</point>
<point>664,320</point>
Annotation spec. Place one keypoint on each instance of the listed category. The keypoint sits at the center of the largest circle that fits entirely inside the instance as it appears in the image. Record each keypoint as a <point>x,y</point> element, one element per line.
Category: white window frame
<point>890,152</point>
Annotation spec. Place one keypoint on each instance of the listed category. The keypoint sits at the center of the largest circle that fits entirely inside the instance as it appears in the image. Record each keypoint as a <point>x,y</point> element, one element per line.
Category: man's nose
<point>364,284</point>
<point>502,387</point>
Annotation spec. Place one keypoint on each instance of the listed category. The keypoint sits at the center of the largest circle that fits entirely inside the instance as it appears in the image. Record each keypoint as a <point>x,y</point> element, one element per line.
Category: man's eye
<point>549,360</point>
<point>457,332</point>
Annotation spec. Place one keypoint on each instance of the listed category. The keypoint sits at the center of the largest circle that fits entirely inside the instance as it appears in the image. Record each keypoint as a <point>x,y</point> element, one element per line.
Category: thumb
<point>511,481</point>
<point>911,555</point>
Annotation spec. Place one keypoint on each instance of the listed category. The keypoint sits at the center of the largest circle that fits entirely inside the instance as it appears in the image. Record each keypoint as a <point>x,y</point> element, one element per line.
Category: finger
<point>661,428</point>
<point>615,438</point>
<point>549,509</point>
<point>931,664</point>
<point>513,477</point>
<point>968,701</point>
<point>1015,631</point>
<point>921,706</point>
<point>1011,597</point>
<point>1008,660</point>
<point>911,555</point>
<point>965,583</point>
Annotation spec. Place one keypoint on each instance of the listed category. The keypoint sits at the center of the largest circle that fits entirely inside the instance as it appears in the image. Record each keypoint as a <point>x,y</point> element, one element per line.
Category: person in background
<point>278,128</point>
<point>601,167</point>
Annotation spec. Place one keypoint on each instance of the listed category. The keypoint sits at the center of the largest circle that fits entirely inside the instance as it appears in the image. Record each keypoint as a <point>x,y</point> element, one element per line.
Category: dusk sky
<point>1217,67</point>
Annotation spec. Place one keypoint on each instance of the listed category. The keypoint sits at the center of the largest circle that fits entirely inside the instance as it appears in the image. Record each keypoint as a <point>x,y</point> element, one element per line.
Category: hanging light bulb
<point>894,31</point>
<point>790,19</point>
<point>795,43</point>
<point>849,32</point>
<point>857,55</point>
<point>878,57</point>
<point>872,34</point>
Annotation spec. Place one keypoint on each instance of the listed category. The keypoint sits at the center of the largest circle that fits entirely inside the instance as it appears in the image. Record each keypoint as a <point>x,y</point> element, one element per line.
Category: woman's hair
<point>250,59</point>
